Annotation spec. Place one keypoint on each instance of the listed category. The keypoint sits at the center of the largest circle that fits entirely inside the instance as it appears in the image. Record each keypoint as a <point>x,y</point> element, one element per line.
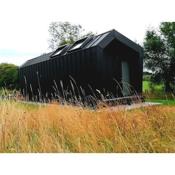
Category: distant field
<point>155,93</point>
<point>164,102</point>
<point>57,128</point>
<point>155,87</point>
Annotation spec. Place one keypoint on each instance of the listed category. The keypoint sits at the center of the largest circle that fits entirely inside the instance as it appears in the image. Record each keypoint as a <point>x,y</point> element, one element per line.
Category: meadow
<point>155,93</point>
<point>59,128</point>
<point>56,128</point>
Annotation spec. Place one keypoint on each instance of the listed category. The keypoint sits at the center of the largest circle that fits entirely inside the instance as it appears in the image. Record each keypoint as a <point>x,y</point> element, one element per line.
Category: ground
<point>58,128</point>
<point>26,127</point>
<point>155,93</point>
<point>148,86</point>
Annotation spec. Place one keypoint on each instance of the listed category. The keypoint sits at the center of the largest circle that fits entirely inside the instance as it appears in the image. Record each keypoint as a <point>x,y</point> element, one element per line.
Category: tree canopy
<point>65,33</point>
<point>8,75</point>
<point>159,54</point>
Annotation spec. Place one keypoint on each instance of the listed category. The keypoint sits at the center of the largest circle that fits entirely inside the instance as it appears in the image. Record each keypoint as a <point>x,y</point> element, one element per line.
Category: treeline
<point>9,76</point>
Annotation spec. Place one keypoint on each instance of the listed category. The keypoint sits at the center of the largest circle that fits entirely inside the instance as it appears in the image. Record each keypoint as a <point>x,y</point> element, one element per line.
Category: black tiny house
<point>108,64</point>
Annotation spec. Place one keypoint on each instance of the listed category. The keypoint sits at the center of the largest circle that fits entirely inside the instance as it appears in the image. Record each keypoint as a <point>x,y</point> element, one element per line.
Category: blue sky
<point>24,23</point>
<point>15,53</point>
<point>16,57</point>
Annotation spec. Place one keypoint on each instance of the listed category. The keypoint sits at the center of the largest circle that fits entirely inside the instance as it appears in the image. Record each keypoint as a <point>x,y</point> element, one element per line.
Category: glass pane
<point>58,52</point>
<point>78,44</point>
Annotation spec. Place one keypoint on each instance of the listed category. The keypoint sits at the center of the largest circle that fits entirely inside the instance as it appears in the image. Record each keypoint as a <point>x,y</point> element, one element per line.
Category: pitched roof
<point>38,59</point>
<point>101,40</point>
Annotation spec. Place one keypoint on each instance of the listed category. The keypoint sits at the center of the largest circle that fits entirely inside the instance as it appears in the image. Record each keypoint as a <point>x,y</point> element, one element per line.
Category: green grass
<point>154,93</point>
<point>147,86</point>
<point>163,102</point>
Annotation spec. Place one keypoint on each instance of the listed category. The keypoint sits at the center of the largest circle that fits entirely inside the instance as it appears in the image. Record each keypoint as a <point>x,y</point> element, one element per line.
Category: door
<point>125,78</point>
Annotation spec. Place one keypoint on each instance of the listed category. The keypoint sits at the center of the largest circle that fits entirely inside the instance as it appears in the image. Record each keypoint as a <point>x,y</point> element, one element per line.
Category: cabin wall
<point>90,69</point>
<point>109,73</point>
<point>110,68</point>
<point>50,77</point>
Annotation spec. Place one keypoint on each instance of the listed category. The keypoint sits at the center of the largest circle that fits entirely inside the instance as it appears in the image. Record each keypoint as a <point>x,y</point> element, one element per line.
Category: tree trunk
<point>167,86</point>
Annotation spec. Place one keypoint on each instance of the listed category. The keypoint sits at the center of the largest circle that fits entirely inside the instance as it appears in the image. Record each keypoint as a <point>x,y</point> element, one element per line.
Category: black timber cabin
<point>108,64</point>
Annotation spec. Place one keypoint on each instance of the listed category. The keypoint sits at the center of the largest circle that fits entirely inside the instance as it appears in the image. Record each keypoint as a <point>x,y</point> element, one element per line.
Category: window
<point>78,44</point>
<point>58,51</point>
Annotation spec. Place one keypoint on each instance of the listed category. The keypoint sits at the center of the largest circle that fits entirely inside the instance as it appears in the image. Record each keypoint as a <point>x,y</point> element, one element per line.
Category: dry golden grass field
<point>58,128</point>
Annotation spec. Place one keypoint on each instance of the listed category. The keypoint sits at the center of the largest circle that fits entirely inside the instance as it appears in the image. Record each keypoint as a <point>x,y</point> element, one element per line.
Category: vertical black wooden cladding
<point>94,66</point>
<point>76,67</point>
<point>72,63</point>
<point>36,79</point>
<point>23,76</point>
<point>79,67</point>
<point>31,75</point>
<point>111,69</point>
<point>138,73</point>
<point>47,70</point>
<point>54,69</point>
<point>61,69</point>
<point>27,80</point>
<point>69,70</point>
<point>89,66</point>
<point>86,65</point>
<point>49,75</point>
<point>57,69</point>
<point>100,68</point>
<point>66,67</point>
<point>46,73</point>
<point>50,65</point>
<point>84,68</point>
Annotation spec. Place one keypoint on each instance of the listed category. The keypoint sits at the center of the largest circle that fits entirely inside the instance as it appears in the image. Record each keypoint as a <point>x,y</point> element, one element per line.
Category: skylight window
<point>78,44</point>
<point>58,51</point>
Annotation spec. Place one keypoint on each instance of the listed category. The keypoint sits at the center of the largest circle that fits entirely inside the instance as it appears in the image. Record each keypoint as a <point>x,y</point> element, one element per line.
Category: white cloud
<point>24,23</point>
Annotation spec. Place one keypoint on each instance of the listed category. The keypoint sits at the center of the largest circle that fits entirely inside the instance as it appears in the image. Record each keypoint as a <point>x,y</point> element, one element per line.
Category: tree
<point>8,75</point>
<point>65,33</point>
<point>159,54</point>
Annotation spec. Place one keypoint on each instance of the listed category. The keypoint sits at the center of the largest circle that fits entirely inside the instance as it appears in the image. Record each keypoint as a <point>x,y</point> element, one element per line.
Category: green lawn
<point>147,86</point>
<point>156,94</point>
<point>163,102</point>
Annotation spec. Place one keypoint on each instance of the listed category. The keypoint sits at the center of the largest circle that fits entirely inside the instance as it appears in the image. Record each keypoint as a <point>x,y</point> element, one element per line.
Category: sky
<point>24,23</point>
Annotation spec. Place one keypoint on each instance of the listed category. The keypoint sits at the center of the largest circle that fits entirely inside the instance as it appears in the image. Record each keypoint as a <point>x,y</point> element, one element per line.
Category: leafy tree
<point>64,33</point>
<point>159,49</point>
<point>8,75</point>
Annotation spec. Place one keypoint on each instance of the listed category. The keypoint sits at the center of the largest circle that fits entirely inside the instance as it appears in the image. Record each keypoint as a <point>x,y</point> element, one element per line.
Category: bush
<point>9,76</point>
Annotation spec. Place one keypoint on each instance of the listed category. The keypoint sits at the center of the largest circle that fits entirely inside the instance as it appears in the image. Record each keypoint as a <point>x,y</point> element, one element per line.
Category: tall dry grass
<point>58,128</point>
